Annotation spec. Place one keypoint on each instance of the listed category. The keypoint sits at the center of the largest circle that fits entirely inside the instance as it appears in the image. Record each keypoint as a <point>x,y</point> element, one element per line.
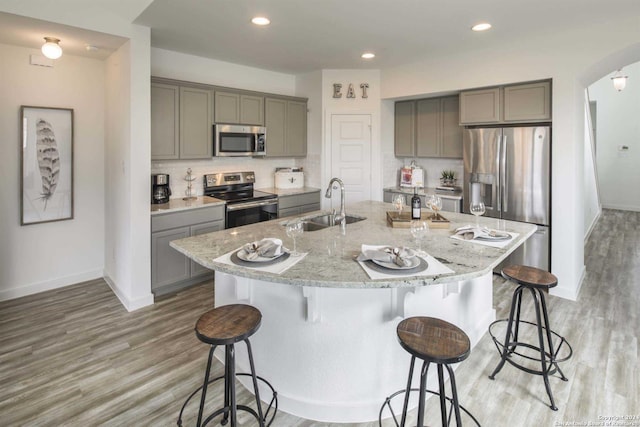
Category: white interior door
<point>351,156</point>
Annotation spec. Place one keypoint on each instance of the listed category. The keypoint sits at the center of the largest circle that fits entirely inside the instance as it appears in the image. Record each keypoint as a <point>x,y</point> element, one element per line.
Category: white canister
<point>285,180</point>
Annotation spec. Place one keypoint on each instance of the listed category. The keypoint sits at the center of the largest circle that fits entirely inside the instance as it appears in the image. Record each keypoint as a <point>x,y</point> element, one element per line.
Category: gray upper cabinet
<point>428,128</point>
<point>180,122</point>
<point>480,106</point>
<point>405,129</point>
<point>195,124</point>
<point>239,109</point>
<point>520,103</point>
<point>227,107</point>
<point>165,116</point>
<point>286,123</point>
<point>451,136</point>
<point>527,102</point>
<point>252,110</point>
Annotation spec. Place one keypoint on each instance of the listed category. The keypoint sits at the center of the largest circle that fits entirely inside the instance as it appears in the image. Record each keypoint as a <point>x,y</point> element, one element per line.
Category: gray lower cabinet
<point>448,204</point>
<point>286,123</point>
<point>170,270</point>
<point>298,204</point>
<point>239,108</point>
<point>180,122</point>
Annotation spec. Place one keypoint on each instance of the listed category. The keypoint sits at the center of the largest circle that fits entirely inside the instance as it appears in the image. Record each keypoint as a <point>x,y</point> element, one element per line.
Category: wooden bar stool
<point>227,325</point>
<point>512,349</point>
<point>432,341</point>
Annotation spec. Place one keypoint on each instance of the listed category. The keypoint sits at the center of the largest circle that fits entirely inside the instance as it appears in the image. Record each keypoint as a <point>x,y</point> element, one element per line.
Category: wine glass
<point>435,203</point>
<point>477,208</point>
<point>294,229</point>
<point>398,204</point>
<point>419,228</point>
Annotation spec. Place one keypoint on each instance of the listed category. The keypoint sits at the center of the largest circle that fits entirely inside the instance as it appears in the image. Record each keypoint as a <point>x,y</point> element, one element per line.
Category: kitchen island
<point>327,341</point>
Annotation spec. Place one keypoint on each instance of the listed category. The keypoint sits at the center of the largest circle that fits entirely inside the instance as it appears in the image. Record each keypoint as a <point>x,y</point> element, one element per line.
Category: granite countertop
<point>428,191</point>
<point>330,263</point>
<point>176,205</point>
<point>289,191</point>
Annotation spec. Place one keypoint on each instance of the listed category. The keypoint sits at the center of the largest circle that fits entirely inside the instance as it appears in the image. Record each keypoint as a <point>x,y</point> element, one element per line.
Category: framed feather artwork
<point>47,164</point>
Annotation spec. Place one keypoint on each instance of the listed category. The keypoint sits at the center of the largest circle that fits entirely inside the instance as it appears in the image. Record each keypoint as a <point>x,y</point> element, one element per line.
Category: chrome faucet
<point>342,216</point>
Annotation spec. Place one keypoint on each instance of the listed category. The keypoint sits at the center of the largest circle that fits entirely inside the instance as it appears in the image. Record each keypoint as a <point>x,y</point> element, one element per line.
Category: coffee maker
<point>160,190</point>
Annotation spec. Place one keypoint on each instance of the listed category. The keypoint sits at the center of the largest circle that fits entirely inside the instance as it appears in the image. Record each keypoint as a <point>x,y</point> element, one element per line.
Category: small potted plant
<point>448,178</point>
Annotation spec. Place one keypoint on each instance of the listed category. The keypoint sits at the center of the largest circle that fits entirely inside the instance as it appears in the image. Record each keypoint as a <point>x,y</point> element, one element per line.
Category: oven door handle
<point>248,205</point>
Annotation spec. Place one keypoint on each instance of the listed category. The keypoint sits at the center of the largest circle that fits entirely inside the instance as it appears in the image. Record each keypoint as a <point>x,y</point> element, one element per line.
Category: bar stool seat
<point>227,325</point>
<point>513,348</point>
<point>432,341</point>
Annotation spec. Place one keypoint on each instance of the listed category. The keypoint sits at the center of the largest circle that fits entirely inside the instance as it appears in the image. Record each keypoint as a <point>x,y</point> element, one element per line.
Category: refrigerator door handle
<point>503,176</point>
<point>497,196</point>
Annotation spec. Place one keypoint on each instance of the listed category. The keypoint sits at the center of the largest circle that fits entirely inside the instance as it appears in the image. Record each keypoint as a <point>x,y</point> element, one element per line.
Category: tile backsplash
<point>177,170</point>
<point>433,168</point>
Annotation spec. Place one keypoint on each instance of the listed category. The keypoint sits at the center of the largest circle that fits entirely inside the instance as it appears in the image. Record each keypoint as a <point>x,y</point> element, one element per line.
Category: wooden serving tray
<point>404,221</point>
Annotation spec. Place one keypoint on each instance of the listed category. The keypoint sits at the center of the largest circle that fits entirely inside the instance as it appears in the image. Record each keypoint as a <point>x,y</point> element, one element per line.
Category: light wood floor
<point>75,357</point>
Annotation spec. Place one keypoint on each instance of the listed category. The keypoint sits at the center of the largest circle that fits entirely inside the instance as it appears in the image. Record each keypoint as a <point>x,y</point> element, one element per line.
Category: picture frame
<point>46,164</point>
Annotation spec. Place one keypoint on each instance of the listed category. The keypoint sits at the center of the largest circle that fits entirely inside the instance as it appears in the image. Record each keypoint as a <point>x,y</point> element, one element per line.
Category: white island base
<point>332,353</point>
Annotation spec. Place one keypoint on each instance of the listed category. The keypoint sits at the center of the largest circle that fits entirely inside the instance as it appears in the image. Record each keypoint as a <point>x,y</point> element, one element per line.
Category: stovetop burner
<point>234,187</point>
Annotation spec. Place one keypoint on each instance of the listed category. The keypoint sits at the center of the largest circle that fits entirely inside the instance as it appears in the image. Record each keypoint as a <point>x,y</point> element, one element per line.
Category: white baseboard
<point>61,282</point>
<point>129,304</point>
<point>622,207</point>
<point>592,225</point>
<point>570,294</point>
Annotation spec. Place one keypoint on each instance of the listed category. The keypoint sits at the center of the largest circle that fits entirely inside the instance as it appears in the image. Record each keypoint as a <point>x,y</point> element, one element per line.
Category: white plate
<point>243,256</point>
<point>497,238</point>
<point>414,262</point>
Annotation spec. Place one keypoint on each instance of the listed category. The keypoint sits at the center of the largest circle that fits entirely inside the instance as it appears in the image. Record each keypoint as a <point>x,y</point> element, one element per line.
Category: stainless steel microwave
<point>239,140</point>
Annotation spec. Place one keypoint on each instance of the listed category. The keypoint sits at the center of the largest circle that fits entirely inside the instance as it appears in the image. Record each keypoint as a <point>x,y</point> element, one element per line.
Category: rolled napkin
<point>400,256</point>
<point>266,248</point>
<point>469,232</point>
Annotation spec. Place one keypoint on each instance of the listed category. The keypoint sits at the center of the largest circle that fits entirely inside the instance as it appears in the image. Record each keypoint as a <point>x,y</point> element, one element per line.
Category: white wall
<point>44,256</point>
<point>570,59</point>
<point>128,159</point>
<point>310,86</point>
<point>592,208</point>
<point>617,125</point>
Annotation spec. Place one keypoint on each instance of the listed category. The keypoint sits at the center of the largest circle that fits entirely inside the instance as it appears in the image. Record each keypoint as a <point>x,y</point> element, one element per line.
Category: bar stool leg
<point>517,323</point>
<point>204,386</point>
<point>443,397</point>
<point>232,385</point>
<point>423,388</point>
<point>255,383</point>
<point>454,396</point>
<point>405,406</point>
<point>545,371</point>
<point>548,330</point>
<point>505,349</point>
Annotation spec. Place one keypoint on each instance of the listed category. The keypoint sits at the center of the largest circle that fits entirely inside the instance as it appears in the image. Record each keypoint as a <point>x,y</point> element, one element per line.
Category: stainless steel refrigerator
<point>509,169</point>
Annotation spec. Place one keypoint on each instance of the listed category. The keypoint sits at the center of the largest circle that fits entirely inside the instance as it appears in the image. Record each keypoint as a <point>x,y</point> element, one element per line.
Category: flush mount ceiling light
<point>51,49</point>
<point>483,26</point>
<point>260,20</point>
<point>619,80</point>
<point>368,55</point>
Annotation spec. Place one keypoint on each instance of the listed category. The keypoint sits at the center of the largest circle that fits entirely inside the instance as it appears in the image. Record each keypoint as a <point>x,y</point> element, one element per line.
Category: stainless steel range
<point>244,204</point>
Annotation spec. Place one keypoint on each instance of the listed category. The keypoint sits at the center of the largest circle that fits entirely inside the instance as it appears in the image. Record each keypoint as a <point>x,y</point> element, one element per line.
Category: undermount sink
<point>323,221</point>
<point>326,219</point>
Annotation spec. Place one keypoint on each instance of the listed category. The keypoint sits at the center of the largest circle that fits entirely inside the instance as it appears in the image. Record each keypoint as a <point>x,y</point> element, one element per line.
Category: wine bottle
<point>415,205</point>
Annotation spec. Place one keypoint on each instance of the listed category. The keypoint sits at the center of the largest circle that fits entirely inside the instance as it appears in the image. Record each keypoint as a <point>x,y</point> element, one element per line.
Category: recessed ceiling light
<point>91,48</point>
<point>368,55</point>
<point>261,20</point>
<point>483,26</point>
